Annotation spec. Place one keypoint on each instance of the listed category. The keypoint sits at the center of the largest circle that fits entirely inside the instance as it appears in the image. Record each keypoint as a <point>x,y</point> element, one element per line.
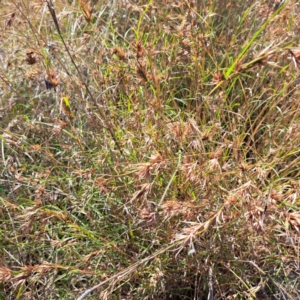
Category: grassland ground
<point>149,150</point>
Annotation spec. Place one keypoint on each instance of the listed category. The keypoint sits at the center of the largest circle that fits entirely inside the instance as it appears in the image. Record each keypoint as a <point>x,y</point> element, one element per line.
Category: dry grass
<point>150,150</point>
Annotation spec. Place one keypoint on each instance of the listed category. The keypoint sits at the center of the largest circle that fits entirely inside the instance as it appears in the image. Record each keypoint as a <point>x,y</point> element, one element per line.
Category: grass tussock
<point>149,150</point>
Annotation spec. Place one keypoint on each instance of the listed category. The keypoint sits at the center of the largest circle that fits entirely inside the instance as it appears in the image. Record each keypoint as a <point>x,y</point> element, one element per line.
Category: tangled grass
<point>149,150</point>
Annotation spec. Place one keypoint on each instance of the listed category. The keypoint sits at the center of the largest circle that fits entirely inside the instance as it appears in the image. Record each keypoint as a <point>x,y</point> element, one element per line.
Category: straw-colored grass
<point>149,150</point>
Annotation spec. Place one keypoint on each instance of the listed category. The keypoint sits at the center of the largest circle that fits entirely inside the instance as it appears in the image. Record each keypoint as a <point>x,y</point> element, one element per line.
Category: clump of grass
<point>149,151</point>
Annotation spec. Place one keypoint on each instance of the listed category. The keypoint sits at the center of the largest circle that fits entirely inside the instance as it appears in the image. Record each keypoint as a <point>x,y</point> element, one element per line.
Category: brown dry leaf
<point>218,77</point>
<point>58,127</point>
<point>294,219</point>
<point>143,192</point>
<point>172,208</point>
<point>30,57</point>
<point>156,158</point>
<point>144,170</point>
<point>36,148</point>
<point>187,234</point>
<point>191,172</point>
<point>87,10</point>
<point>102,184</point>
<point>175,129</point>
<point>213,164</point>
<point>216,154</point>
<point>120,53</point>
<point>140,50</point>
<point>231,199</point>
<point>10,20</point>
<point>146,215</point>
<point>5,274</point>
<point>277,196</point>
<point>141,72</point>
<point>255,216</point>
<point>51,80</point>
